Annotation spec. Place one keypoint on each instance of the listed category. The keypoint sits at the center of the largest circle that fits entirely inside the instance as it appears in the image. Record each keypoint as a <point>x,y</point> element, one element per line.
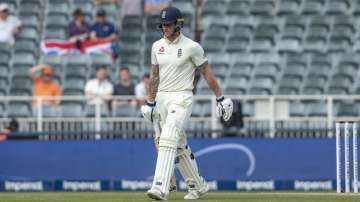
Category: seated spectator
<point>142,90</point>
<point>102,29</point>
<point>100,89</point>
<point>43,85</point>
<point>155,6</point>
<point>12,127</point>
<point>124,87</point>
<point>9,25</point>
<point>78,29</point>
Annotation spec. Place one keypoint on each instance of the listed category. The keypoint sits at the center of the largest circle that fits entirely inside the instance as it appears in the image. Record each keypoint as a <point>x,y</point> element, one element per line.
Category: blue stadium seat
<point>262,7</point>
<point>312,7</point>
<point>238,8</point>
<point>347,110</point>
<point>337,7</point>
<point>72,110</point>
<point>124,111</point>
<point>18,109</point>
<point>288,7</point>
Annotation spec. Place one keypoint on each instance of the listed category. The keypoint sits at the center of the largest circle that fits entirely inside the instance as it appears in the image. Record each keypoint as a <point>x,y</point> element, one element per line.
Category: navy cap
<point>170,15</point>
<point>101,12</point>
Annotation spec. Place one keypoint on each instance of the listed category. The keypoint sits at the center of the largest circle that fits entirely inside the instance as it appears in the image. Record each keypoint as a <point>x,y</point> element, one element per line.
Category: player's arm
<point>206,72</point>
<point>154,82</point>
<point>224,107</point>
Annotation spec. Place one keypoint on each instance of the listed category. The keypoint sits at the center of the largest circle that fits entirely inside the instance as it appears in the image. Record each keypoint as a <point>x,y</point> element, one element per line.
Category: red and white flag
<point>56,47</point>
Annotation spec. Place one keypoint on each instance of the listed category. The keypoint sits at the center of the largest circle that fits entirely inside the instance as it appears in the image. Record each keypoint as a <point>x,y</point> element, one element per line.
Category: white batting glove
<point>224,108</point>
<point>147,111</point>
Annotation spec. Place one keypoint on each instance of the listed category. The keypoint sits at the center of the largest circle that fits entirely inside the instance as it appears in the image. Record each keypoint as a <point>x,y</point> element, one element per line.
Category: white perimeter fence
<point>265,116</point>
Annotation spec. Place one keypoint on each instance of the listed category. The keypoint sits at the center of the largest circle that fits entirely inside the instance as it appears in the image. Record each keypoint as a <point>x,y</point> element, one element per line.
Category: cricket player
<point>174,59</point>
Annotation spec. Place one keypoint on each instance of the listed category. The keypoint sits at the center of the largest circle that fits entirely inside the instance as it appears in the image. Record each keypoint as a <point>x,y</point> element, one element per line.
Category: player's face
<point>168,29</point>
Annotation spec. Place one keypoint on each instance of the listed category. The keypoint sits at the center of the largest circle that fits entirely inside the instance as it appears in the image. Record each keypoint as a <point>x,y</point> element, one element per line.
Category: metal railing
<point>271,118</point>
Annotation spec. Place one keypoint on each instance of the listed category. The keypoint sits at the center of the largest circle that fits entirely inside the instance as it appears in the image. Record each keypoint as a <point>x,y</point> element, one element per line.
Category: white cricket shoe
<point>195,194</point>
<point>156,194</point>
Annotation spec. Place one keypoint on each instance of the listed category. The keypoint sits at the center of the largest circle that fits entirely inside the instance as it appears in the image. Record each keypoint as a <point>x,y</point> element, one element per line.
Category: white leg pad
<point>186,163</point>
<point>166,157</point>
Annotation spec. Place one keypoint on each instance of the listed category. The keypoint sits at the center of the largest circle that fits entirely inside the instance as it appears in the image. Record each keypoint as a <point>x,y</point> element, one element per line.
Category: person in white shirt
<point>100,89</point>
<point>174,59</point>
<point>142,89</point>
<point>9,25</point>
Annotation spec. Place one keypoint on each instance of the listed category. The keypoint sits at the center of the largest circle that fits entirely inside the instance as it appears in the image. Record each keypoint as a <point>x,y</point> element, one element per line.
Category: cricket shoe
<point>156,194</point>
<point>195,194</point>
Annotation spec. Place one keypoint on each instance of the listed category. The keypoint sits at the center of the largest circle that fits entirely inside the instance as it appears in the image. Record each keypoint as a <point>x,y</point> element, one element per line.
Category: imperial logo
<point>135,185</point>
<point>161,50</point>
<point>24,186</point>
<point>82,186</point>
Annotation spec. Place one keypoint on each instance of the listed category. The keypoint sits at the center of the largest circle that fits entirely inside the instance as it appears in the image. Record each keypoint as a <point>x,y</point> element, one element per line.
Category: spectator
<point>100,89</point>
<point>12,127</point>
<point>78,29</point>
<point>155,6</point>
<point>142,90</point>
<point>43,85</point>
<point>9,25</point>
<point>124,87</point>
<point>102,29</point>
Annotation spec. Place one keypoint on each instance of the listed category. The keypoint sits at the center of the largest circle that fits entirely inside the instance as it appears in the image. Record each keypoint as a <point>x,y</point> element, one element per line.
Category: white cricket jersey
<point>177,62</point>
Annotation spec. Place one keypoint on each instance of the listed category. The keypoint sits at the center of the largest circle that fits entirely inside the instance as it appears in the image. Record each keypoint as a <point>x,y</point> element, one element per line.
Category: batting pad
<point>186,163</point>
<point>166,157</point>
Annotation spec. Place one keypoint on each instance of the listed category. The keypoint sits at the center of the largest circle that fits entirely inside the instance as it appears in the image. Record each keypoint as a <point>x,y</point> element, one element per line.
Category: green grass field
<point>211,197</point>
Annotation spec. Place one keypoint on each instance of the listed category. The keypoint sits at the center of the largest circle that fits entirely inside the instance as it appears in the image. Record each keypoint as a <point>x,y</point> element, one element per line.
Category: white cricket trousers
<point>175,109</point>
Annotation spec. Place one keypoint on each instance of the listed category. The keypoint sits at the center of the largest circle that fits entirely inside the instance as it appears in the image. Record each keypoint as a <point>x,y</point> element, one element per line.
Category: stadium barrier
<point>243,164</point>
<point>264,116</point>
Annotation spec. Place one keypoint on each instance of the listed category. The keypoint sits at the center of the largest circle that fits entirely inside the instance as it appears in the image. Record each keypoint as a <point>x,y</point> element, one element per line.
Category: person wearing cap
<point>78,29</point>
<point>174,60</point>
<point>9,25</point>
<point>102,28</point>
<point>43,85</point>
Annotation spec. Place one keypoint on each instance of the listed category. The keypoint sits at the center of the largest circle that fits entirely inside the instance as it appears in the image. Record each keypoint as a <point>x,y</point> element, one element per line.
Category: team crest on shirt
<point>161,50</point>
<point>179,53</point>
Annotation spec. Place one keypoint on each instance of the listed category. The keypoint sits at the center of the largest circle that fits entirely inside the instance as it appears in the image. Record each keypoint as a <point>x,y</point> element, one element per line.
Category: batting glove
<point>224,108</point>
<point>147,111</point>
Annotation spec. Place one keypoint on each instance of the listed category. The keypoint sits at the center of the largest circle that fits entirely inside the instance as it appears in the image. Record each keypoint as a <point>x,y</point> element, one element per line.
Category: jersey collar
<point>175,41</point>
